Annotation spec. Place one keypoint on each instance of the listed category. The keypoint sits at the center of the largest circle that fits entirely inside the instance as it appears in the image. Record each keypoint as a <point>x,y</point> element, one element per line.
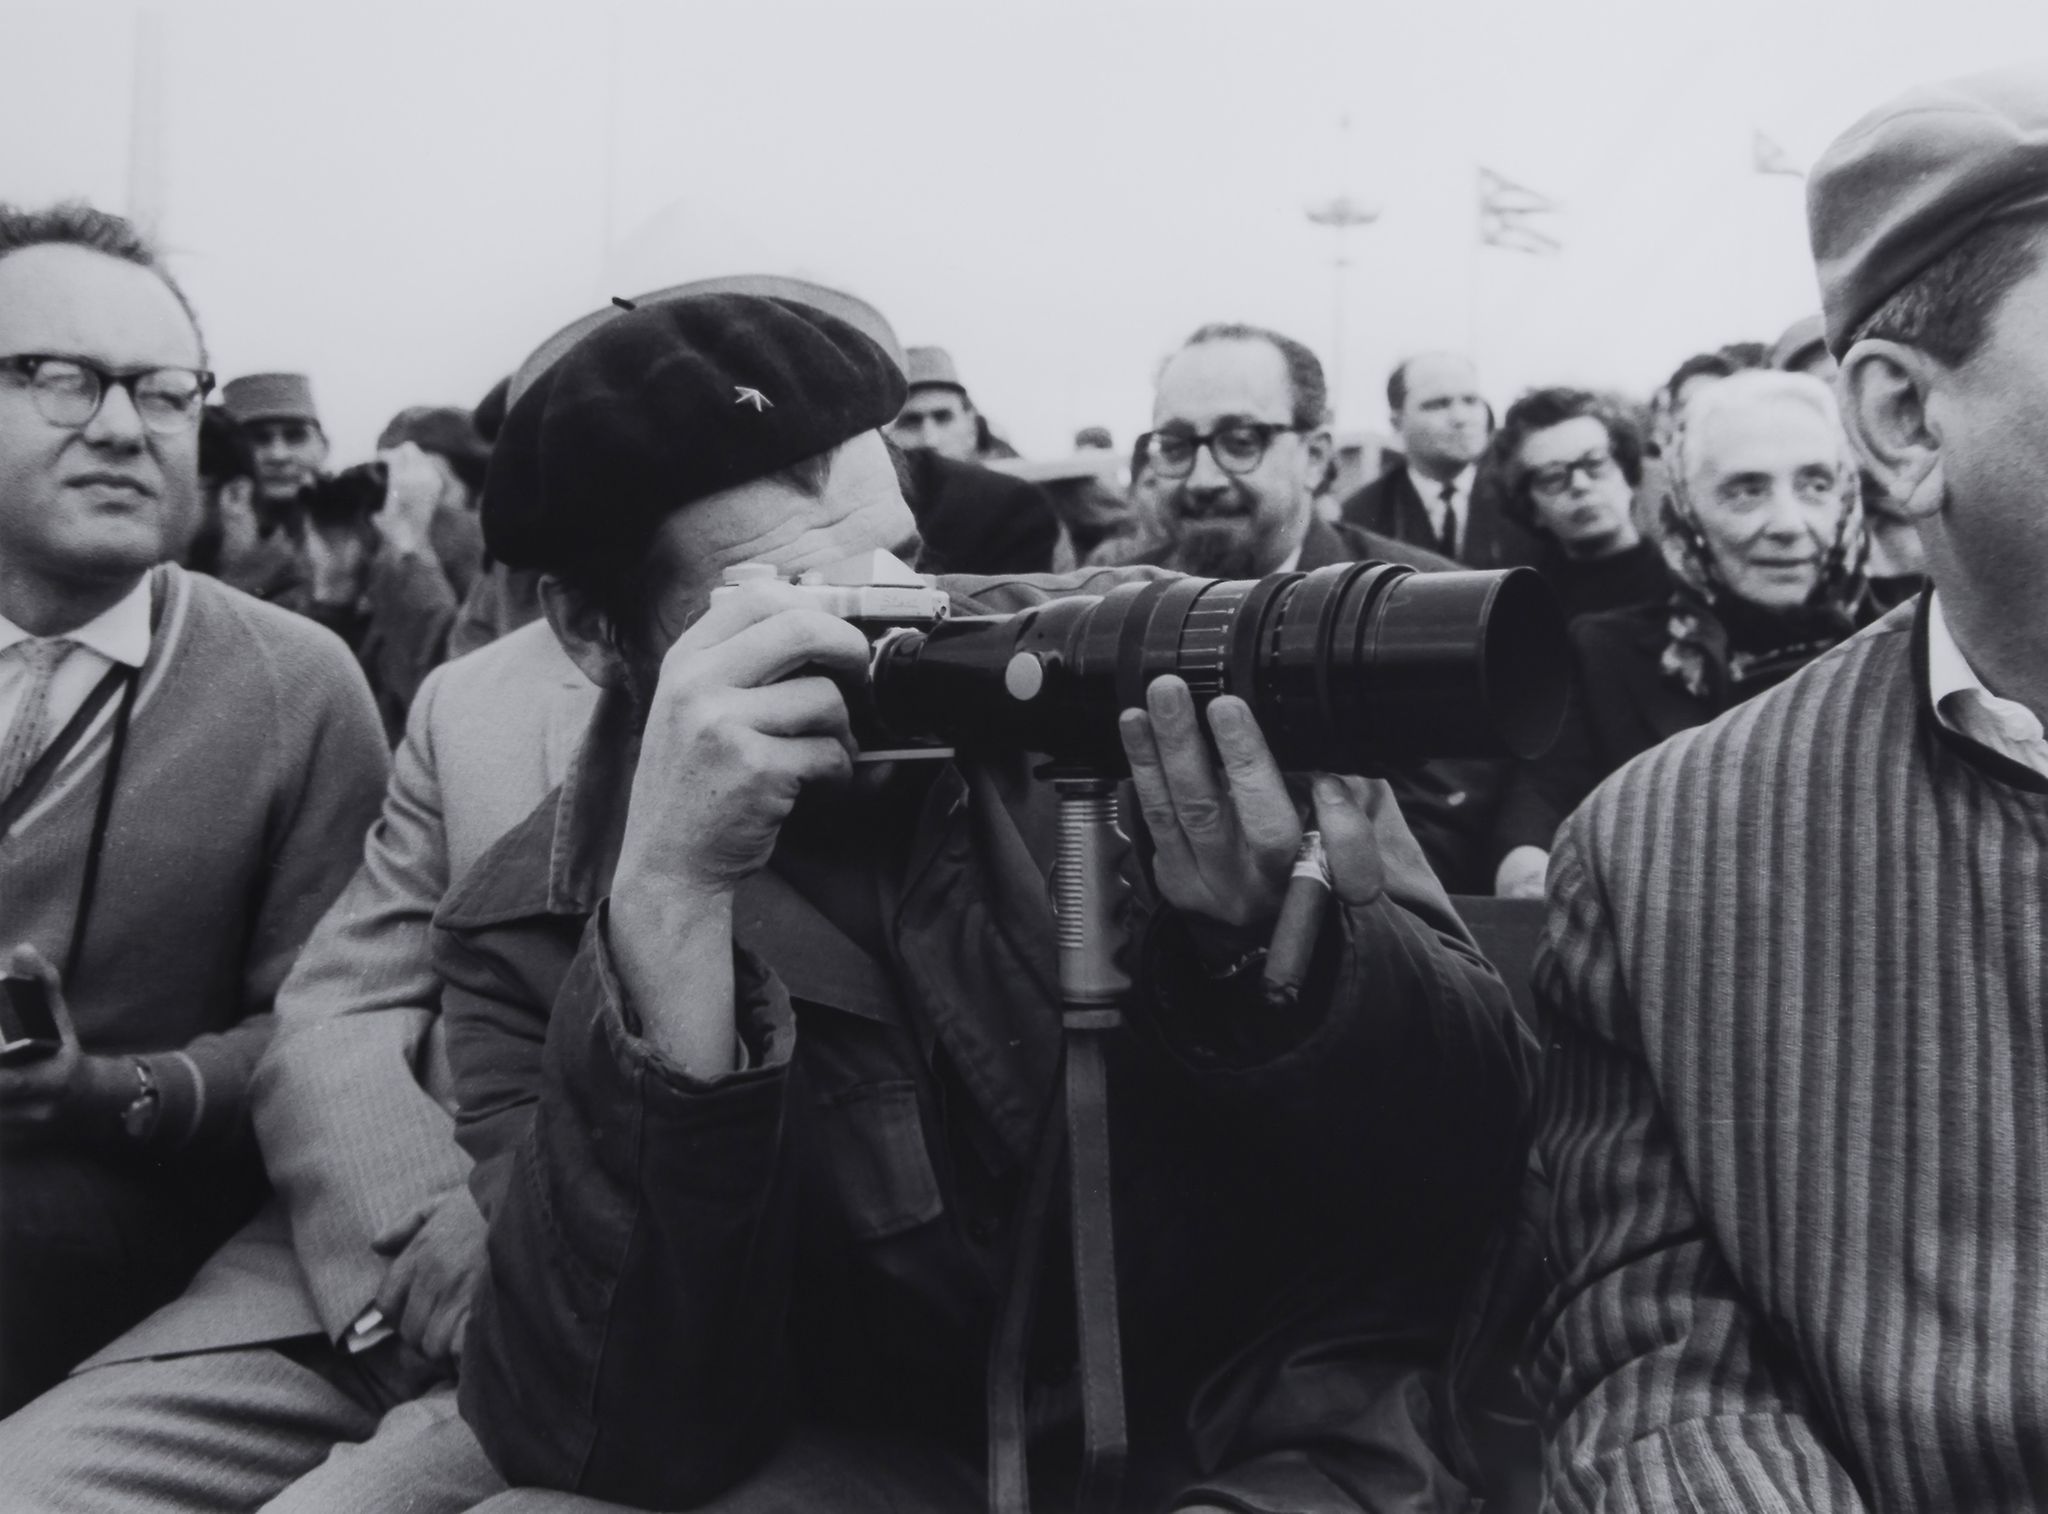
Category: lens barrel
<point>1352,668</point>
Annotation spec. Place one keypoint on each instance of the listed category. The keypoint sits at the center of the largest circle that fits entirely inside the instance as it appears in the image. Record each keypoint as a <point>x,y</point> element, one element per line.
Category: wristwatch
<point>139,1119</point>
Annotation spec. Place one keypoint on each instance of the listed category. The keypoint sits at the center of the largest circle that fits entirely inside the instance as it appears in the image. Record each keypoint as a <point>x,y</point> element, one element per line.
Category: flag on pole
<point>1766,156</point>
<point>1506,212</point>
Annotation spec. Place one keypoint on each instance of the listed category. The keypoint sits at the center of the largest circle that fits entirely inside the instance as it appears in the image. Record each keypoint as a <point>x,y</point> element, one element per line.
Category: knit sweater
<point>254,766</point>
<point>1795,1112</point>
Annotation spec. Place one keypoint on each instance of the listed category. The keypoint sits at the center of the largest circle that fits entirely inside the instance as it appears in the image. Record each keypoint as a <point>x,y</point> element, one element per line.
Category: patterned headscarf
<point>1698,654</point>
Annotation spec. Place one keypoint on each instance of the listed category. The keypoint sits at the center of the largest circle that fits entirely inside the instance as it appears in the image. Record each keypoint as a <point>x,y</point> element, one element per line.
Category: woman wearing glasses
<point>1571,462</point>
<point>1763,535</point>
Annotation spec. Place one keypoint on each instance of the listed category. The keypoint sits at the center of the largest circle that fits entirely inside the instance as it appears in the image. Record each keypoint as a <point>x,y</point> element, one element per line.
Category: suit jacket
<point>976,520</point>
<point>1389,506</point>
<point>351,1096</point>
<point>1620,704</point>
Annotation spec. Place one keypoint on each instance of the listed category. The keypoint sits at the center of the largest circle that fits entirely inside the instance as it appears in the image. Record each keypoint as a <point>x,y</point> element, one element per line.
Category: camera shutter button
<point>1025,676</point>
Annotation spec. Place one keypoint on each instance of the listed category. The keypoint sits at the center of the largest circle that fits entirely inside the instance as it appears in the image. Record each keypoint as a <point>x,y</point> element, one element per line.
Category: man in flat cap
<point>275,411</point>
<point>972,518</point>
<point>1793,1117</point>
<point>754,1052</point>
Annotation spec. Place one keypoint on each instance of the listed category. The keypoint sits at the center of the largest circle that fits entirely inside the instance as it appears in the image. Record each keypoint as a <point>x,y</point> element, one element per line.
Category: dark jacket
<point>1389,506</point>
<point>1637,576</point>
<point>976,520</point>
<point>1621,704</point>
<point>681,1269</point>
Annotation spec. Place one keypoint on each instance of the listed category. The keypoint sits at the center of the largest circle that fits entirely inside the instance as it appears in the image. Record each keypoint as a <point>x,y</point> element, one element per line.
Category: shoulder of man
<point>1357,544</point>
<point>298,656</point>
<point>1841,695</point>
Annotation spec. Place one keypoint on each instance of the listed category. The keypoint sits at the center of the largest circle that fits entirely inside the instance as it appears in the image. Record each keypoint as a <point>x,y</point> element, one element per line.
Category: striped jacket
<point>1795,1113</point>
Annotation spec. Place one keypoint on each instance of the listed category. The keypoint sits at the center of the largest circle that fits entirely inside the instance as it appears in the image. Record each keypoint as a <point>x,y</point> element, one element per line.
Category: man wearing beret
<point>753,1050</point>
<point>1795,1112</point>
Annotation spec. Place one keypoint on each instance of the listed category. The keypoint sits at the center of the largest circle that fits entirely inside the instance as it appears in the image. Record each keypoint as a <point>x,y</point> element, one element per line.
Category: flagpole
<point>1339,216</point>
<point>146,124</point>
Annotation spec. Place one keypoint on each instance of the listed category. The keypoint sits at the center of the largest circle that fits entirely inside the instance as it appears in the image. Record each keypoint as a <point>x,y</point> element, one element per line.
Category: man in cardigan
<point>1796,1111</point>
<point>185,778</point>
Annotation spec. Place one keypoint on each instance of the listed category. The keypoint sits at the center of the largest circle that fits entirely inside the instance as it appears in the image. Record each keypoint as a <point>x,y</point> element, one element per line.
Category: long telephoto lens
<point>1353,668</point>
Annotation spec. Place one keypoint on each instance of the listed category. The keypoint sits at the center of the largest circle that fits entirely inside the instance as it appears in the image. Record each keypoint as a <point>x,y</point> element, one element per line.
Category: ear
<point>1317,447</point>
<point>1884,388</point>
<point>584,634</point>
<point>238,494</point>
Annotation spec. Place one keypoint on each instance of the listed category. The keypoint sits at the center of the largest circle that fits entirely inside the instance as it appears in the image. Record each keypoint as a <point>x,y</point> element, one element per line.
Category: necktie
<point>29,732</point>
<point>1450,529</point>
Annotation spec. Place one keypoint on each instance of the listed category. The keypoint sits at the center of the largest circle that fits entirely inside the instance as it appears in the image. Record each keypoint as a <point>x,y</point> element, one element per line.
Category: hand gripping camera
<point>1353,668</point>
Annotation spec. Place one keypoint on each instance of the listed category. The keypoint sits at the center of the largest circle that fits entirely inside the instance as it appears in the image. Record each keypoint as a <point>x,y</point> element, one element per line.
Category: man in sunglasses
<point>186,776</point>
<point>1240,446</point>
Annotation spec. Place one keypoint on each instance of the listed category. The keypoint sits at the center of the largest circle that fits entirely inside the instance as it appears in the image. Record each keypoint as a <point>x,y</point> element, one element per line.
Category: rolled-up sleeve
<point>630,1343</point>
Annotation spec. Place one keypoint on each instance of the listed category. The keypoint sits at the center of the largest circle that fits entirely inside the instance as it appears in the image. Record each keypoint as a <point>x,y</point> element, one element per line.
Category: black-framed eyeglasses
<point>68,391</point>
<point>1555,481</point>
<point>1237,446</point>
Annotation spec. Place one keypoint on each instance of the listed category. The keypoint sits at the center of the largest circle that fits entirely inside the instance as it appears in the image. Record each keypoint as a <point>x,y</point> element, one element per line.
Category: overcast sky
<point>403,199</point>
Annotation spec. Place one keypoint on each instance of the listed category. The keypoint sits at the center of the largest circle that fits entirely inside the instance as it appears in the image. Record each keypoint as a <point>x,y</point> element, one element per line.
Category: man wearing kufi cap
<point>275,411</point>
<point>973,518</point>
<point>753,1051</point>
<point>1793,1120</point>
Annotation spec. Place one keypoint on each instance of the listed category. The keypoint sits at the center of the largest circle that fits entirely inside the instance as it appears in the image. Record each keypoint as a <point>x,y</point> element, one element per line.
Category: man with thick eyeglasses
<point>185,779</point>
<point>1240,447</point>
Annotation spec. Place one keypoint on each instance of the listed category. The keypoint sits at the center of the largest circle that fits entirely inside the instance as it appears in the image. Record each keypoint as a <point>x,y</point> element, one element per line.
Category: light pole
<point>1340,215</point>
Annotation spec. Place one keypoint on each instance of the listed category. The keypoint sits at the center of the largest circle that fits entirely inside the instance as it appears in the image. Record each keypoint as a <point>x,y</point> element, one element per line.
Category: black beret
<point>668,404</point>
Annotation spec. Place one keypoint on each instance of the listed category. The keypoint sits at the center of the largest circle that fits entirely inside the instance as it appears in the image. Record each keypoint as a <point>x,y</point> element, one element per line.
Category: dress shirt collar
<point>1964,705</point>
<point>1432,490</point>
<point>119,633</point>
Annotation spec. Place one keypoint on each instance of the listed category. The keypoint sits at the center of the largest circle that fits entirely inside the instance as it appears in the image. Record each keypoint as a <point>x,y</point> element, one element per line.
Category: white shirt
<point>1965,706</point>
<point>1432,492</point>
<point>119,634</point>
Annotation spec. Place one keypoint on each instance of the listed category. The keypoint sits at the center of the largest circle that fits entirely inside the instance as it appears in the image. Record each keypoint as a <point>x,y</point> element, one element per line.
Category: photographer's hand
<point>731,740</point>
<point>1225,834</point>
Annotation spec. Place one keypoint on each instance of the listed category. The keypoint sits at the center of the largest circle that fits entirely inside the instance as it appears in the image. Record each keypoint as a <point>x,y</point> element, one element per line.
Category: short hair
<point>73,223</point>
<point>1539,410</point>
<point>1310,394</point>
<point>224,451</point>
<point>1753,386</point>
<point>1397,386</point>
<point>1945,310</point>
<point>1700,364</point>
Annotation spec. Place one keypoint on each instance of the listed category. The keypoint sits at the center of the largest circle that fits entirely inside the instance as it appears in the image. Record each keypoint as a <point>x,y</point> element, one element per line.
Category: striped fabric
<point>1795,1114</point>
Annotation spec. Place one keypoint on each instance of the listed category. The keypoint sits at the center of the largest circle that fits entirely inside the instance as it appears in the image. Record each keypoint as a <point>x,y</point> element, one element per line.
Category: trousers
<point>292,1430</point>
<point>90,1245</point>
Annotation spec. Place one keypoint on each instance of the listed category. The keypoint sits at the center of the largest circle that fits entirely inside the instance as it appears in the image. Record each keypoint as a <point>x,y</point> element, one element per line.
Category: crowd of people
<point>479,1032</point>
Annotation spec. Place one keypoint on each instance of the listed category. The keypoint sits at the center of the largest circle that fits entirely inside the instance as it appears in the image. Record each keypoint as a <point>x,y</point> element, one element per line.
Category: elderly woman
<point>1764,534</point>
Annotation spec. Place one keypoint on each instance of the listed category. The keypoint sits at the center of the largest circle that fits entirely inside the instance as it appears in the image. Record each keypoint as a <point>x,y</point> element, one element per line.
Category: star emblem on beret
<point>742,395</point>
